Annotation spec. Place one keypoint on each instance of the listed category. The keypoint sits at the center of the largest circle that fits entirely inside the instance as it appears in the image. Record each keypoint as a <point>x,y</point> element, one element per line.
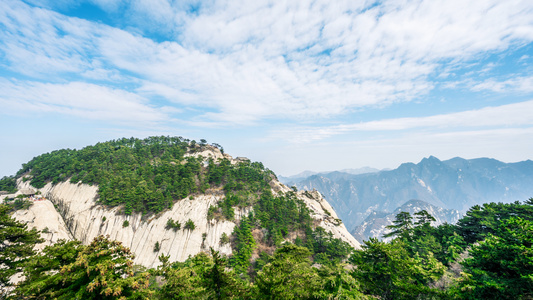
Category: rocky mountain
<point>375,223</point>
<point>452,184</point>
<point>73,210</point>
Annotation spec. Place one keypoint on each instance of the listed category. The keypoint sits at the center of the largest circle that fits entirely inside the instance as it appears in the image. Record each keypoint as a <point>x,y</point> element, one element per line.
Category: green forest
<point>487,255</point>
<point>143,175</point>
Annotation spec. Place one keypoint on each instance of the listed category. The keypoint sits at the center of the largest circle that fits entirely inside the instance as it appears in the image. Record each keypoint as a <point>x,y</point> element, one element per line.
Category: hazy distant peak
<point>304,174</point>
<point>430,160</point>
<point>358,171</point>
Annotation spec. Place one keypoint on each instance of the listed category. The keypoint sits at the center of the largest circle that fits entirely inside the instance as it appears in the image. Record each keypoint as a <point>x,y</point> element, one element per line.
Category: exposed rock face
<point>208,151</point>
<point>85,219</point>
<point>79,215</point>
<point>43,216</point>
<point>322,211</point>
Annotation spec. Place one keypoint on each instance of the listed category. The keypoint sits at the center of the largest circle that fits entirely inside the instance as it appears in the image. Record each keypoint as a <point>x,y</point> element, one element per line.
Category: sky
<point>298,85</point>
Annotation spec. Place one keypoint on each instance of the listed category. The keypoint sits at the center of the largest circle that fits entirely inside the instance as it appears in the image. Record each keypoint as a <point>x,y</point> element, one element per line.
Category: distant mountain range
<point>291,180</point>
<point>455,184</point>
<point>374,225</point>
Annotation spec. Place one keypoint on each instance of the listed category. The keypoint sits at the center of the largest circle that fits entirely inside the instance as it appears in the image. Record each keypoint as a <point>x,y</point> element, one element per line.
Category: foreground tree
<point>16,245</point>
<point>224,284</point>
<point>388,271</point>
<point>200,277</point>
<point>501,266</point>
<point>289,275</point>
<point>42,272</point>
<point>480,220</point>
<point>182,282</point>
<point>424,219</point>
<point>69,270</point>
<point>244,246</point>
<point>402,227</point>
<point>337,283</point>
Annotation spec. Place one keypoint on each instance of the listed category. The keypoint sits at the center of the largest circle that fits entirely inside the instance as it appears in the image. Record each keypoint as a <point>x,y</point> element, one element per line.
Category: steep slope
<point>44,216</point>
<point>453,184</point>
<point>374,225</point>
<point>86,219</point>
<point>78,206</point>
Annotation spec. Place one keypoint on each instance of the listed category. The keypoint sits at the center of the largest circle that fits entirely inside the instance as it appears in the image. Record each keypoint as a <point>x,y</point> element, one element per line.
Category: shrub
<point>189,225</point>
<point>204,236</point>
<point>171,224</point>
<point>21,203</point>
<point>126,223</point>
<point>211,212</point>
<point>224,239</point>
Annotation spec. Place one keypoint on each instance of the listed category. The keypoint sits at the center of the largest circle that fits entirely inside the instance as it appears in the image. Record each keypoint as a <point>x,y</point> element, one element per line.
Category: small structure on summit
<point>27,192</point>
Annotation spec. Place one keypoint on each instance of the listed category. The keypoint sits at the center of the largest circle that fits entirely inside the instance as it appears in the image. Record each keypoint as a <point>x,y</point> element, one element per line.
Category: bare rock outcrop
<point>207,151</point>
<point>324,213</point>
<point>86,219</point>
<point>43,216</point>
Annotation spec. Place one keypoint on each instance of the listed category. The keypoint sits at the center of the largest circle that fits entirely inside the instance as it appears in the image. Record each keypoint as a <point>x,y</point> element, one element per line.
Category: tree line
<point>488,254</point>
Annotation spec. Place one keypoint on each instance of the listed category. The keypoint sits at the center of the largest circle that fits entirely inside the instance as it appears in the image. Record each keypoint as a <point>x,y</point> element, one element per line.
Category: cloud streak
<point>247,62</point>
<point>80,100</point>
<point>511,115</point>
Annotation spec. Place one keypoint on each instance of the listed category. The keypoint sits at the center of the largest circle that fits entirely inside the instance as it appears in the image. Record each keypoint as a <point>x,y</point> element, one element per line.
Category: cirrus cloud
<point>246,62</point>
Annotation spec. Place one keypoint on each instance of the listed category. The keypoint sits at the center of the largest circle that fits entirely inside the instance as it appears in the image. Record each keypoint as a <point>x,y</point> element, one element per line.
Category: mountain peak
<point>431,159</point>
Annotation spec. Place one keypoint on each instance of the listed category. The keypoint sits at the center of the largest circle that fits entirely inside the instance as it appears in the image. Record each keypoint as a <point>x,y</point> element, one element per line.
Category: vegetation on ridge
<point>145,175</point>
<point>8,184</point>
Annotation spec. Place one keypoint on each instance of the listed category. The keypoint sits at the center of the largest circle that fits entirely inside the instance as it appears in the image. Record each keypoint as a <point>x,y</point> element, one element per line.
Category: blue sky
<point>299,85</point>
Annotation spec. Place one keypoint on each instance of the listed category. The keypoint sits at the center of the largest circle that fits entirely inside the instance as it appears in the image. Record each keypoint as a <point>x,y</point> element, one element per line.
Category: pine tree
<point>244,246</point>
<point>68,270</point>
<point>402,225</point>
<point>16,245</point>
<point>501,266</point>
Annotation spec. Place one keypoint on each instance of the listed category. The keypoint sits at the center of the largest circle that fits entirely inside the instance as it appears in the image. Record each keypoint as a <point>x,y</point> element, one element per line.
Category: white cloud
<point>261,59</point>
<point>80,100</point>
<point>517,84</point>
<point>246,61</point>
<point>38,42</point>
<point>511,115</point>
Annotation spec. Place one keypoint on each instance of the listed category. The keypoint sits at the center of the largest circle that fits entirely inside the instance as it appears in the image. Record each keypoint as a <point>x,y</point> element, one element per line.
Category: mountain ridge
<point>290,180</point>
<point>456,183</point>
